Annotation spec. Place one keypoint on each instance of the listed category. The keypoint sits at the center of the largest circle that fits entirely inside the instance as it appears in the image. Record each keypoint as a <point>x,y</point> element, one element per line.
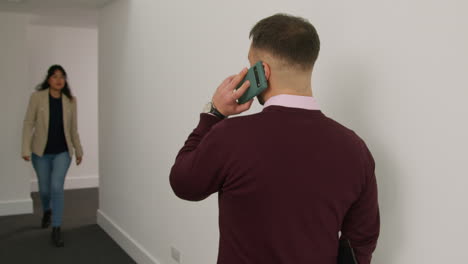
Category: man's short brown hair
<point>293,39</point>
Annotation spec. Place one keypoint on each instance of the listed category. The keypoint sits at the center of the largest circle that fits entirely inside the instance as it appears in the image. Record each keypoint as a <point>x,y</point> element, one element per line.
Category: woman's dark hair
<point>45,84</point>
<point>291,38</point>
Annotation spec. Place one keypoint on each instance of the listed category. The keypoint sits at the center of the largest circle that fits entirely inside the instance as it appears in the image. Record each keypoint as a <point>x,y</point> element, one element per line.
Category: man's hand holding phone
<point>226,95</point>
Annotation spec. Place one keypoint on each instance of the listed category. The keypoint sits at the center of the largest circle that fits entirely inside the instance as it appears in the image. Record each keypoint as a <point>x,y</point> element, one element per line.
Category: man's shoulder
<point>345,132</point>
<point>239,124</point>
<point>340,127</point>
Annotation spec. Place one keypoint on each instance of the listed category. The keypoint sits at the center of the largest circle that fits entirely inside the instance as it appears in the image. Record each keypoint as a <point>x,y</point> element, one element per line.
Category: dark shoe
<point>46,219</point>
<point>57,238</point>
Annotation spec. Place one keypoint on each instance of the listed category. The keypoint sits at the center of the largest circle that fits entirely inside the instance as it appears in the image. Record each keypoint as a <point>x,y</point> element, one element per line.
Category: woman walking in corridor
<point>50,137</point>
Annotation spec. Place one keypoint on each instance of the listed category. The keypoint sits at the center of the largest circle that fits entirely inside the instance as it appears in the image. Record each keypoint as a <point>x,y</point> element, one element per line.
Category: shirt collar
<point>294,101</point>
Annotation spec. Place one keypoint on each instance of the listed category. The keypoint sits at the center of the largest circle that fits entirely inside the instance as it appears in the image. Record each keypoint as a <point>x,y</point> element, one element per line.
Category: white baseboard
<point>133,248</point>
<point>91,181</point>
<point>16,207</point>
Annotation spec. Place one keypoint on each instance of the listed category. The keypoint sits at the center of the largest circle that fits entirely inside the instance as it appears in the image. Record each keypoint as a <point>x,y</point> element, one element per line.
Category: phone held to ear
<point>258,83</point>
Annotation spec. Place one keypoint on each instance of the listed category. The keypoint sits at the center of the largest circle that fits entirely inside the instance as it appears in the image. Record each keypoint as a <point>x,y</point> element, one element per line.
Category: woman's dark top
<point>56,142</point>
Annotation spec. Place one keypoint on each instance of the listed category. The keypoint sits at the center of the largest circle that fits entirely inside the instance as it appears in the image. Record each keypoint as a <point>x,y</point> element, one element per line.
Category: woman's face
<point>57,81</point>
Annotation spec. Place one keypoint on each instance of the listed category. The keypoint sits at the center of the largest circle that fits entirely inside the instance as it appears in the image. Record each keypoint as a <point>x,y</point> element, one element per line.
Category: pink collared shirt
<point>294,101</point>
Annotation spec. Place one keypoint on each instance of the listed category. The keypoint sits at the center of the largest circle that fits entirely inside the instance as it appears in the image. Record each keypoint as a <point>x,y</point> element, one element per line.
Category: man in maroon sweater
<point>289,179</point>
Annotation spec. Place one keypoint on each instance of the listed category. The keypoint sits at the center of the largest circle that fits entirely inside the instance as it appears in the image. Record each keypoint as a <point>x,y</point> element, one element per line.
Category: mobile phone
<point>258,83</point>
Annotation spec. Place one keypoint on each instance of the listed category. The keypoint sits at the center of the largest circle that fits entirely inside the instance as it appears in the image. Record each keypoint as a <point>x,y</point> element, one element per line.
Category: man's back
<point>289,180</point>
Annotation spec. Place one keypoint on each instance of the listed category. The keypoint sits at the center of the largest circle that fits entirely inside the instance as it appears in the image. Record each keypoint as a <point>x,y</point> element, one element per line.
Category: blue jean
<point>51,170</point>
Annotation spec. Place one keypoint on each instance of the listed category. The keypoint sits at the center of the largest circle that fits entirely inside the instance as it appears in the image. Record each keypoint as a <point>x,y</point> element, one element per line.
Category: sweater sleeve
<point>74,130</point>
<point>199,169</point>
<point>28,126</point>
<point>362,222</point>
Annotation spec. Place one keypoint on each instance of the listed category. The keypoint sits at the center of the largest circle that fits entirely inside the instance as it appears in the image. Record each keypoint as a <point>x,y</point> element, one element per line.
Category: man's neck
<point>286,82</point>
<point>275,93</point>
<point>291,88</point>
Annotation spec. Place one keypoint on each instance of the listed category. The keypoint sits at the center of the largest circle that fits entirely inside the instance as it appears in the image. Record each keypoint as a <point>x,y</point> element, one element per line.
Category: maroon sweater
<point>288,180</point>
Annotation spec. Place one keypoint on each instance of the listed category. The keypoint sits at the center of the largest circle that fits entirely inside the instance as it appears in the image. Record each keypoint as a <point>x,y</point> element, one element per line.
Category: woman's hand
<point>79,160</point>
<point>226,95</point>
<point>26,158</point>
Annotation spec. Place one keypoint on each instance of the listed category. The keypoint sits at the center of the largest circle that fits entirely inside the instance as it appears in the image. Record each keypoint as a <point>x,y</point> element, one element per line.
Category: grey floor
<point>23,241</point>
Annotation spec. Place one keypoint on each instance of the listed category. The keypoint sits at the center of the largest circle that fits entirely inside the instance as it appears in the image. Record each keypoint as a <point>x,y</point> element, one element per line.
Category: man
<point>289,178</point>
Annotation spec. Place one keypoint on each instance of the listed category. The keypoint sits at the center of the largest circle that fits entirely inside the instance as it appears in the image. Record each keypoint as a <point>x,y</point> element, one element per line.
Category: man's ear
<point>267,70</point>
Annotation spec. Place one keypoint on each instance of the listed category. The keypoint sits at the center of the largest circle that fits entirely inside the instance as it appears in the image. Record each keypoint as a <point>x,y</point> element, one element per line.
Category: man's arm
<point>362,222</point>
<point>200,167</point>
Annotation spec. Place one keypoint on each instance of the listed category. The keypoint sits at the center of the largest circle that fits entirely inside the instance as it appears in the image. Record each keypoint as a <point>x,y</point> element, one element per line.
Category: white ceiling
<point>34,5</point>
<point>69,13</point>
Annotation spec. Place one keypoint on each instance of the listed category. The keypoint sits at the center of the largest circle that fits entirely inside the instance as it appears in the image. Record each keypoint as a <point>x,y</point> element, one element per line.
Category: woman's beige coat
<point>36,125</point>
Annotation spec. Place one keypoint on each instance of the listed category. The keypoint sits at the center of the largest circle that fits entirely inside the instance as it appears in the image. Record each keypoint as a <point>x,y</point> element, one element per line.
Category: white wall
<point>76,50</point>
<point>392,71</point>
<point>14,172</point>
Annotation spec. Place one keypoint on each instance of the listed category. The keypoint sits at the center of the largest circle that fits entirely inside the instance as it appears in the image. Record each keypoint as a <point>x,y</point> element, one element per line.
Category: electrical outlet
<point>175,253</point>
